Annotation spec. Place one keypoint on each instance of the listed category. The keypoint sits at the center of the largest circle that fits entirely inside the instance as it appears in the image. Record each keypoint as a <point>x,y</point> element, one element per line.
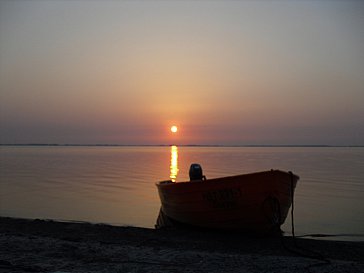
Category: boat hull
<point>256,202</point>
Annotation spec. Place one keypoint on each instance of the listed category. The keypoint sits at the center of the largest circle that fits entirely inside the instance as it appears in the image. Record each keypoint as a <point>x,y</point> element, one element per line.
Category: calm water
<point>116,185</point>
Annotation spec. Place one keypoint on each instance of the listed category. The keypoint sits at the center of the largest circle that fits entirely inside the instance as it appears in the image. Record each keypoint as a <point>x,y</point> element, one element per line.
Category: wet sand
<point>50,246</point>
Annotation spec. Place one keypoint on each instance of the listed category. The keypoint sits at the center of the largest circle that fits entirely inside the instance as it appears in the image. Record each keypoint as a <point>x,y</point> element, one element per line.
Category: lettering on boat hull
<point>226,198</point>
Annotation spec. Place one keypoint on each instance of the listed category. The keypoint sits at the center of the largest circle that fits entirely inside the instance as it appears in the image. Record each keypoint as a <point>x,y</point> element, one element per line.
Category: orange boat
<point>253,202</point>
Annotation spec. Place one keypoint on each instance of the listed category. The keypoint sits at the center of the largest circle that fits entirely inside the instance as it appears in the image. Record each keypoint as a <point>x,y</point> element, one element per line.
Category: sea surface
<point>116,185</point>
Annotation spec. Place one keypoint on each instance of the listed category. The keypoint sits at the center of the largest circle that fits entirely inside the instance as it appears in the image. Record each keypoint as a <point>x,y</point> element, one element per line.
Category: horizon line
<point>173,144</point>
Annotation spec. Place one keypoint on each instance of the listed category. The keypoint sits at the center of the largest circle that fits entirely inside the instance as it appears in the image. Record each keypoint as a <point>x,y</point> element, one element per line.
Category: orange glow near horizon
<point>163,83</point>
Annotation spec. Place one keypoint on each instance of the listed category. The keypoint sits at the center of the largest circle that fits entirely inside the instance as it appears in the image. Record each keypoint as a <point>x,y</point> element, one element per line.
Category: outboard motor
<point>196,172</point>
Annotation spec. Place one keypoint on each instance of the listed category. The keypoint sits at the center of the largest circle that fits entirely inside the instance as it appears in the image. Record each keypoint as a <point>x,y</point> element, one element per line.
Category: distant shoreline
<point>184,145</point>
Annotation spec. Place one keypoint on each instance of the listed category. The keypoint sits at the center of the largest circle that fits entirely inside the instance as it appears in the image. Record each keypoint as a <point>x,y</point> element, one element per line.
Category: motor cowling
<point>196,172</point>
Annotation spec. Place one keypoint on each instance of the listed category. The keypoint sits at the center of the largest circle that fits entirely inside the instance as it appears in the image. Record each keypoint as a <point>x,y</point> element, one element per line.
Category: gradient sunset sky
<point>224,72</point>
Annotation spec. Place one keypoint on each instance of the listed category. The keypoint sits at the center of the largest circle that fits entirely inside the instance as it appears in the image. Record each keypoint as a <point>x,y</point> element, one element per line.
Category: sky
<point>224,72</point>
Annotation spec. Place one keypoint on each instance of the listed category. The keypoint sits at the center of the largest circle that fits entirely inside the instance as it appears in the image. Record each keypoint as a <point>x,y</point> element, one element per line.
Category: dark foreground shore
<point>49,246</point>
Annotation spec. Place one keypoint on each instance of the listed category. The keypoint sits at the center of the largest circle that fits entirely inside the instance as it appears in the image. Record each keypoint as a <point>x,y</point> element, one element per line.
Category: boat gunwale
<point>169,183</point>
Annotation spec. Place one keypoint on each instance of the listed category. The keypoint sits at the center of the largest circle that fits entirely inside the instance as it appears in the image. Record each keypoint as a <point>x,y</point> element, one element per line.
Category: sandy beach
<point>51,246</point>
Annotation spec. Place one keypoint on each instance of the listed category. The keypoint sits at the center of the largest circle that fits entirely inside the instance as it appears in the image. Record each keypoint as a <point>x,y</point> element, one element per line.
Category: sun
<point>174,129</point>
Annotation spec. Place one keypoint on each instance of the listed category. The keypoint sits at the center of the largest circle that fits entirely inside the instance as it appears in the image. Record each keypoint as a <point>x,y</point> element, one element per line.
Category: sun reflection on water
<point>174,163</point>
